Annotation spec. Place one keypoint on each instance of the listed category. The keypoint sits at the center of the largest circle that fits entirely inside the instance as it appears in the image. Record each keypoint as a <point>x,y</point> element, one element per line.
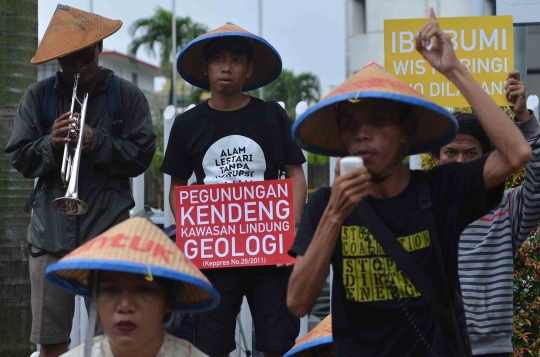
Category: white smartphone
<point>349,163</point>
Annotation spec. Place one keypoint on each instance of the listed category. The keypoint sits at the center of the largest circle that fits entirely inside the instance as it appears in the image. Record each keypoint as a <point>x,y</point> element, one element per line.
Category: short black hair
<point>234,44</point>
<point>468,124</point>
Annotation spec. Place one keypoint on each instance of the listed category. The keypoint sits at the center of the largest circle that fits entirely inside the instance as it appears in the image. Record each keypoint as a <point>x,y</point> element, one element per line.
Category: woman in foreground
<point>135,277</point>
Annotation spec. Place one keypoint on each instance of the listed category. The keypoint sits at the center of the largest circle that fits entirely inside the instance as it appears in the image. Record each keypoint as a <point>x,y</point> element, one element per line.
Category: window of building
<point>490,7</point>
<point>356,16</point>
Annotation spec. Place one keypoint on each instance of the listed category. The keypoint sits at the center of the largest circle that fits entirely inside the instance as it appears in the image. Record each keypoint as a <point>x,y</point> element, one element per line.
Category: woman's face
<point>131,310</point>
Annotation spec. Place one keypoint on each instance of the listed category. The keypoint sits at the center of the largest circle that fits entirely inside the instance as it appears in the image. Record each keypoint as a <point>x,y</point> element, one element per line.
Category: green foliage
<point>194,96</point>
<point>153,177</point>
<point>18,40</point>
<point>154,34</point>
<point>317,159</point>
<point>288,88</point>
<point>291,89</point>
<point>526,338</point>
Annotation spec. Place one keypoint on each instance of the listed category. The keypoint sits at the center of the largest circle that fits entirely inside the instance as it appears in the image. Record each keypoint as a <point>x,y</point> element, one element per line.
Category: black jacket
<point>105,169</point>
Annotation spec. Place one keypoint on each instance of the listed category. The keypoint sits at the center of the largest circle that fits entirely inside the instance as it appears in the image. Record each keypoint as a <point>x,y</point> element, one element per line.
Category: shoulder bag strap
<point>408,266</point>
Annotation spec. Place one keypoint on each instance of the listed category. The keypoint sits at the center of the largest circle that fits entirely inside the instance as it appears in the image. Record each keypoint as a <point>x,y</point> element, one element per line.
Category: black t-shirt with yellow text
<point>366,319</point>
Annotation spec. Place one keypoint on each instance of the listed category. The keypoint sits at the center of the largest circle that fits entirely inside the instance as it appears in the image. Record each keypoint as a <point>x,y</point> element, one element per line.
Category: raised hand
<point>516,94</point>
<point>441,55</point>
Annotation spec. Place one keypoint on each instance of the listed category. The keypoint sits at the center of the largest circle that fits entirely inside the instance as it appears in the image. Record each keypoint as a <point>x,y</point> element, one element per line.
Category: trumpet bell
<point>70,206</point>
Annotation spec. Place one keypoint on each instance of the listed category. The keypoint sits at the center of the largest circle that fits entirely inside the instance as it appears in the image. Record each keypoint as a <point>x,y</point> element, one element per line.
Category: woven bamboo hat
<point>316,130</point>
<point>72,30</point>
<point>267,61</point>
<point>135,246</point>
<point>316,339</point>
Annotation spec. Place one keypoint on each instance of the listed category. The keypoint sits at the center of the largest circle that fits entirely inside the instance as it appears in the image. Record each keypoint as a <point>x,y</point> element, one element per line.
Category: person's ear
<point>250,69</point>
<point>204,68</point>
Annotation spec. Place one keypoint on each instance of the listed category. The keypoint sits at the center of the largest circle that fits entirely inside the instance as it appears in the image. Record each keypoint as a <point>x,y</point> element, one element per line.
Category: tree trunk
<point>18,41</point>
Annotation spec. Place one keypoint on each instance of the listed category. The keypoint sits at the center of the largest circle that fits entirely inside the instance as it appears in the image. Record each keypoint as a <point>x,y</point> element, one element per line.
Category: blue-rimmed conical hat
<point>135,246</point>
<point>318,342</point>
<point>316,130</point>
<point>267,61</point>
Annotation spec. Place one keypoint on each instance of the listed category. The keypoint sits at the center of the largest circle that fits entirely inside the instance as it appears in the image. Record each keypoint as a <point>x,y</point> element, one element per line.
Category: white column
<point>79,324</point>
<point>303,327</point>
<point>478,8</point>
<point>173,53</point>
<point>415,162</point>
<point>168,120</point>
<point>305,166</point>
<point>532,104</point>
<point>138,193</point>
<point>244,331</point>
<point>261,90</point>
<point>331,167</point>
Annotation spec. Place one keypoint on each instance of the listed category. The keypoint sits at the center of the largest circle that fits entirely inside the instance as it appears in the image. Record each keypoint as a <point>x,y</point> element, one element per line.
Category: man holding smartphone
<point>390,234</point>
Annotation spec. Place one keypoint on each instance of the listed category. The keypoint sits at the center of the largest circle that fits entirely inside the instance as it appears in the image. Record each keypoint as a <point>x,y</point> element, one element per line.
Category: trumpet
<point>70,203</point>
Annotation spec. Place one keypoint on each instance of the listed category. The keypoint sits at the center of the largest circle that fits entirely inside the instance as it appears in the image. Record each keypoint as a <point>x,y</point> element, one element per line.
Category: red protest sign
<point>235,224</point>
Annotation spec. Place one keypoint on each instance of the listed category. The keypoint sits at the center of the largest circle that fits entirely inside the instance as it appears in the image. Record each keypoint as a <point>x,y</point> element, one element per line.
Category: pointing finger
<point>432,16</point>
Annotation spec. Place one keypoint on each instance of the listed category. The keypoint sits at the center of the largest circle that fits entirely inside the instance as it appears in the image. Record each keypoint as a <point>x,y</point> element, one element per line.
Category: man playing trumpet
<point>118,142</point>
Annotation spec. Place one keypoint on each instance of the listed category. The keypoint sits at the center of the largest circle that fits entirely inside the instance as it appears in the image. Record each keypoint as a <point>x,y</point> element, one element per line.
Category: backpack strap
<point>114,102</point>
<point>50,102</point>
<point>271,115</point>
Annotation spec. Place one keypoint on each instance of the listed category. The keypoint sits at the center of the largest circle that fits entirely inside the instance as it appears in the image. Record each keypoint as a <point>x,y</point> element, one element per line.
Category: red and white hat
<point>318,342</point>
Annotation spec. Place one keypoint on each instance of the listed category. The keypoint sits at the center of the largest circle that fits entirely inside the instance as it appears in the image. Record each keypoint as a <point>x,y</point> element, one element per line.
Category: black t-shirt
<point>231,146</point>
<point>366,320</point>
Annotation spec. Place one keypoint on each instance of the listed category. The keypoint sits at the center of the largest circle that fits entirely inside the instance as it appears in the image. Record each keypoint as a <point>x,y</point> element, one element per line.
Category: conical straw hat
<point>316,130</point>
<point>135,246</point>
<point>72,30</point>
<point>317,338</point>
<point>267,61</point>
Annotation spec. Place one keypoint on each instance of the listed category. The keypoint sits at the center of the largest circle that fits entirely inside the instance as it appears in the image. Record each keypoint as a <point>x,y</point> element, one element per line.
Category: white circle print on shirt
<point>234,158</point>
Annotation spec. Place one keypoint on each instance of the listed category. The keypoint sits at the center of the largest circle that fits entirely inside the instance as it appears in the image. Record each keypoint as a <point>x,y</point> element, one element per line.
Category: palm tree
<point>292,89</point>
<point>154,34</point>
<point>18,42</point>
<point>287,88</point>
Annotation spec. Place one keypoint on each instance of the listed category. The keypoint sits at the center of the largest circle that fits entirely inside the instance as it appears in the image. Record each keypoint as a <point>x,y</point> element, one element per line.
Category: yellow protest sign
<point>484,44</point>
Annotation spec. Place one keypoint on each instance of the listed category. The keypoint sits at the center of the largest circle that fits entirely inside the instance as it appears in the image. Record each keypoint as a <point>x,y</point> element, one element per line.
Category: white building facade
<point>140,73</point>
<point>365,29</point>
<point>365,23</point>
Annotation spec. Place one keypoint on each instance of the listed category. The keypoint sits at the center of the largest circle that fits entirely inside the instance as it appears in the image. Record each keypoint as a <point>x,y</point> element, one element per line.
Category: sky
<point>309,34</point>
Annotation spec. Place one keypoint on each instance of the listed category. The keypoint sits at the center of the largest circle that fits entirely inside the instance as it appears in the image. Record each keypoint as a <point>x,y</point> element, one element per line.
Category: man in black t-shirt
<point>376,308</point>
<point>233,137</point>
